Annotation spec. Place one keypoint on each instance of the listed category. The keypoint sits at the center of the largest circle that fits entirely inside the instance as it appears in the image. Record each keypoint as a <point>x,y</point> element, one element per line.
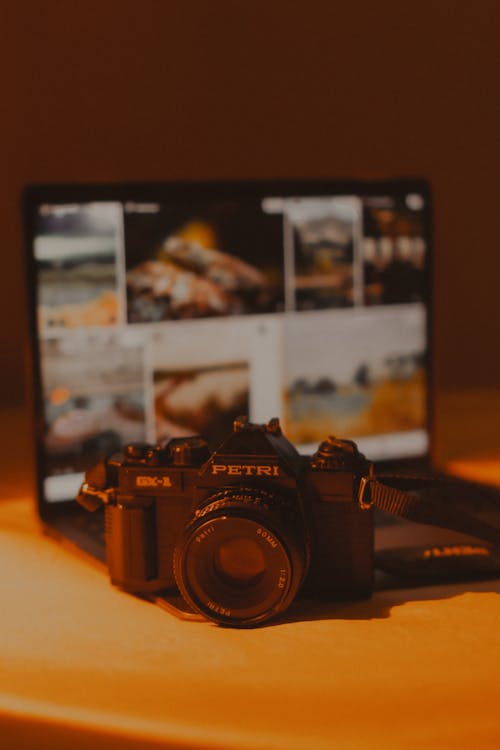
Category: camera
<point>240,531</point>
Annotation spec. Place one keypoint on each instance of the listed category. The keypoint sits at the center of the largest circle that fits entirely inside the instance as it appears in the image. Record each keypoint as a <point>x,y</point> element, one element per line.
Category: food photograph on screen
<point>211,259</point>
<point>204,400</point>
<point>207,373</point>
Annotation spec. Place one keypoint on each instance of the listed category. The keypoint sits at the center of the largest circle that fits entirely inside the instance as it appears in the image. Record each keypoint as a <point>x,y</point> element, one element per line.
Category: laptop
<point>165,310</point>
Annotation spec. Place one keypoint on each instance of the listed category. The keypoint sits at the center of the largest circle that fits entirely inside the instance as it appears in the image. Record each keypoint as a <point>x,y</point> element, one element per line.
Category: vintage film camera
<point>240,531</point>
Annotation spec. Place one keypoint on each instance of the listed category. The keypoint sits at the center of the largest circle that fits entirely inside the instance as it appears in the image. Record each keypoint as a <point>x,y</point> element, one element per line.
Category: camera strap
<point>458,505</point>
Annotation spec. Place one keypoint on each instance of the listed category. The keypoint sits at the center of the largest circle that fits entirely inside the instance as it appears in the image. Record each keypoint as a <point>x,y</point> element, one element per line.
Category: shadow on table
<point>379,606</point>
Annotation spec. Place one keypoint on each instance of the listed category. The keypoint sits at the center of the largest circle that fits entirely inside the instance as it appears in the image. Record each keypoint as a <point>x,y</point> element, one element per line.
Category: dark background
<point>156,90</point>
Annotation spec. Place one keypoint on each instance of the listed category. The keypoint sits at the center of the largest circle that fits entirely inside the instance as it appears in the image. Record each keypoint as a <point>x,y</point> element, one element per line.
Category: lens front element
<point>240,562</point>
<point>234,566</point>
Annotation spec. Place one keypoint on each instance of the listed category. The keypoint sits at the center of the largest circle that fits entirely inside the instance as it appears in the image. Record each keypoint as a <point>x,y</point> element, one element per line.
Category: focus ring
<point>244,495</point>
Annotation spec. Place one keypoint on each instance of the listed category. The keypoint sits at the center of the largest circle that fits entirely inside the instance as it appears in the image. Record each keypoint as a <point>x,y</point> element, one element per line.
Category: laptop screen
<point>167,310</point>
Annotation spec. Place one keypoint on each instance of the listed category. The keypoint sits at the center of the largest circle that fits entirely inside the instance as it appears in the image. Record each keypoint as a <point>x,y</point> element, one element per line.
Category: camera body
<point>241,530</point>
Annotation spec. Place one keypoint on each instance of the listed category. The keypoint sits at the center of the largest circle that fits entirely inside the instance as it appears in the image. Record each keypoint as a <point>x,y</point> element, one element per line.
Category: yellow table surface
<point>85,665</point>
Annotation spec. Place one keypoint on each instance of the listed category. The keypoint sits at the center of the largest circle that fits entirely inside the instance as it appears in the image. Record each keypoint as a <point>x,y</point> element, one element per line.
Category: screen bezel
<point>34,195</point>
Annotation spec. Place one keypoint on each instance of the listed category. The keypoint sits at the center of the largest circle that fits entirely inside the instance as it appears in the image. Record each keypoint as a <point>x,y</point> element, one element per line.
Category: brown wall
<point>137,90</point>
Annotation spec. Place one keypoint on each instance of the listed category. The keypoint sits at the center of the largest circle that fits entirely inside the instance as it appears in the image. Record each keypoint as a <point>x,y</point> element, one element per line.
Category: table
<point>85,665</point>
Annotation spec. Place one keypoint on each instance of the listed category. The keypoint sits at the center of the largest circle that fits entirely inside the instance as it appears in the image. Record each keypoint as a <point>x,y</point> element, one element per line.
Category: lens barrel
<point>242,556</point>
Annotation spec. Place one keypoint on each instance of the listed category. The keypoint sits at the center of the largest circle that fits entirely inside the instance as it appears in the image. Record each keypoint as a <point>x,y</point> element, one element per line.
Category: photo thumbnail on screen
<point>394,249</point>
<point>77,252</point>
<point>206,373</point>
<point>212,259</point>
<point>204,400</point>
<point>360,374</point>
<point>323,237</point>
<point>94,399</point>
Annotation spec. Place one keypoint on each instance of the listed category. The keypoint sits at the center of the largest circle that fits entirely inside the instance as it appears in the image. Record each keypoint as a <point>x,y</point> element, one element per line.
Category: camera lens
<point>242,557</point>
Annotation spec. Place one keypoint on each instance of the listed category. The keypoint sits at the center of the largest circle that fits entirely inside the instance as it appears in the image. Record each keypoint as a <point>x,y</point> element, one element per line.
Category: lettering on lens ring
<point>268,537</point>
<point>204,534</point>
<point>459,550</point>
<point>217,608</point>
<point>282,579</point>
